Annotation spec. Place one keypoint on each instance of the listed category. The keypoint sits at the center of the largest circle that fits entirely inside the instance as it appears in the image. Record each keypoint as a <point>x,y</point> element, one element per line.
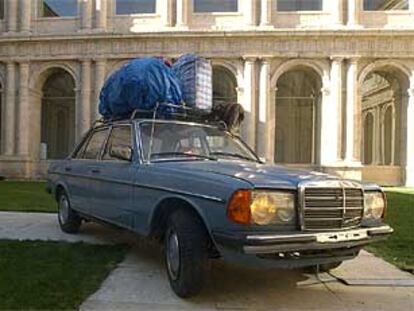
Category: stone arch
<point>41,74</point>
<point>54,113</point>
<point>383,91</point>
<point>297,113</point>
<point>320,67</point>
<point>224,85</point>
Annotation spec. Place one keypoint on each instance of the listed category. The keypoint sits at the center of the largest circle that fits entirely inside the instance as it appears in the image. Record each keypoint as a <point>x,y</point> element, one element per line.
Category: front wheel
<point>69,220</point>
<point>186,253</point>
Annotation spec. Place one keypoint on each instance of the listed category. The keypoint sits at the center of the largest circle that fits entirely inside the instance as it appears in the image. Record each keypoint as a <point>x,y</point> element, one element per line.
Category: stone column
<point>11,7</point>
<point>10,109</point>
<point>24,116</point>
<point>100,73</point>
<point>86,14</point>
<point>354,13</point>
<point>409,162</point>
<point>266,13</point>
<point>25,15</point>
<point>263,131</point>
<point>84,105</point>
<point>249,11</point>
<point>330,113</point>
<point>101,14</point>
<point>249,101</point>
<point>352,113</point>
<point>183,13</point>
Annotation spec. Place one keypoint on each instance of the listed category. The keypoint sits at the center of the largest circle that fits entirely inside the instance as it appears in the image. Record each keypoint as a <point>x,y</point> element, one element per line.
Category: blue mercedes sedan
<point>204,194</point>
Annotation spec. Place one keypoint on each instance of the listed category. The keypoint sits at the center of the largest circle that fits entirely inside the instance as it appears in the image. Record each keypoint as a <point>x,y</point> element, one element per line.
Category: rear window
<point>94,145</point>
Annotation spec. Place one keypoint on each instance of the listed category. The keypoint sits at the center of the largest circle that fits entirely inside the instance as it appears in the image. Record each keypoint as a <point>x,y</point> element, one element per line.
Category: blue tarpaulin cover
<point>140,84</point>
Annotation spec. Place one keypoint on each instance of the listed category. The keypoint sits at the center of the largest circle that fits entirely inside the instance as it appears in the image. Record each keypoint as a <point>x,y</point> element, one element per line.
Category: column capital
<point>266,60</point>
<point>250,59</point>
<point>337,58</point>
<point>354,60</point>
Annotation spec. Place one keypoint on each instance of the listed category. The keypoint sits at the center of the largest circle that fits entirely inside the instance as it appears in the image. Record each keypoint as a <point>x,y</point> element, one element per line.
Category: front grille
<point>332,208</point>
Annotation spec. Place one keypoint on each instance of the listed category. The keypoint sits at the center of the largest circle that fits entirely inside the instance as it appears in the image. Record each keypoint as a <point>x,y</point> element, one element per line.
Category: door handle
<point>68,169</point>
<point>95,170</point>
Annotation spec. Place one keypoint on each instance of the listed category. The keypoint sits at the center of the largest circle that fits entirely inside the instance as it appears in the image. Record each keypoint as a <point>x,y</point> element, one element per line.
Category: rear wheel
<point>186,253</point>
<point>69,220</point>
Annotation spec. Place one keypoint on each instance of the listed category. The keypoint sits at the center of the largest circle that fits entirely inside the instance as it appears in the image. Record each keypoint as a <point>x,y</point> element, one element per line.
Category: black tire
<point>326,267</point>
<point>186,269</point>
<point>69,220</point>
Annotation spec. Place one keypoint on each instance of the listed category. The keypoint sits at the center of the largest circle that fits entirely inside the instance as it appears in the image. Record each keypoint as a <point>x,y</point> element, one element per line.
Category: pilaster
<point>184,8</point>
<point>263,136</point>
<point>166,10</point>
<point>11,16</point>
<point>249,101</point>
<point>86,14</point>
<point>100,73</point>
<point>352,113</point>
<point>10,109</point>
<point>23,135</point>
<point>101,15</point>
<point>84,105</point>
<point>25,15</point>
<point>249,11</point>
<point>354,13</point>
<point>330,113</point>
<point>266,13</point>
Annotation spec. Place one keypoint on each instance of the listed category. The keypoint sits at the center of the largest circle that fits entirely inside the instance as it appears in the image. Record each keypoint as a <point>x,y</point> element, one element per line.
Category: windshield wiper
<point>234,155</point>
<point>189,155</point>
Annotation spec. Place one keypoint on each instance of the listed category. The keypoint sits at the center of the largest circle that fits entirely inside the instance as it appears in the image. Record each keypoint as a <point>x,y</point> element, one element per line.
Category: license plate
<point>334,237</point>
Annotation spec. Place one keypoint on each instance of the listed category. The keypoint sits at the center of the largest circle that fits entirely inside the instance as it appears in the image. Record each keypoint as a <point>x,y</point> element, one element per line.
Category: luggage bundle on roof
<point>151,87</point>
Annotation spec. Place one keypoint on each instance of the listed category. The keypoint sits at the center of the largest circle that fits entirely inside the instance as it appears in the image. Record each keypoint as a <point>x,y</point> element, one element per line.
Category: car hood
<point>258,175</point>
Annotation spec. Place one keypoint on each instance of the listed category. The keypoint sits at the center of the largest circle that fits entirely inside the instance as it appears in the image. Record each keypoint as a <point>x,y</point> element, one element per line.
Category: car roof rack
<point>179,113</point>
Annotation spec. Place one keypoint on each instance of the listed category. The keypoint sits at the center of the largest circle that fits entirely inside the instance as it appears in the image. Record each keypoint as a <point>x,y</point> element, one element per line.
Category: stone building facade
<point>326,84</point>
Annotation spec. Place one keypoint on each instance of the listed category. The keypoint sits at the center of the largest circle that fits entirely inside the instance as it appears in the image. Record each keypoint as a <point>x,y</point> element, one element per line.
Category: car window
<point>94,146</point>
<point>120,137</point>
<point>190,141</point>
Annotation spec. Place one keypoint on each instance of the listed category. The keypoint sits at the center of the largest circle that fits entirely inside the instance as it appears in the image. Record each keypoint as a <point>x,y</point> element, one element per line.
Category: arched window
<point>297,111</point>
<point>383,95</point>
<point>58,114</point>
<point>224,85</point>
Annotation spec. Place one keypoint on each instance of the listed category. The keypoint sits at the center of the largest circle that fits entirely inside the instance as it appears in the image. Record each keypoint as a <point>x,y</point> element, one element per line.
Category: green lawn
<point>25,196</point>
<point>52,275</point>
<point>399,247</point>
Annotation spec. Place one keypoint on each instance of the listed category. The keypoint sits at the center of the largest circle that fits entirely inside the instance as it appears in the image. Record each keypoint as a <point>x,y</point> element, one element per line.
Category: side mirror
<point>123,153</point>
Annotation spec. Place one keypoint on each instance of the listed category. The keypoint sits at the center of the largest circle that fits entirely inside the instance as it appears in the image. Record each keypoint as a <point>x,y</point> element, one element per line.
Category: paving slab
<point>140,282</point>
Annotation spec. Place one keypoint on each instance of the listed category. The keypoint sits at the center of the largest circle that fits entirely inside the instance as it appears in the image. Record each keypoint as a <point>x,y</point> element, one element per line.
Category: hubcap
<point>173,255</point>
<point>63,209</point>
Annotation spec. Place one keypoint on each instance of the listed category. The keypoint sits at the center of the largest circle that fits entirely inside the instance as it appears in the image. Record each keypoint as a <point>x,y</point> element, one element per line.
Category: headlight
<point>272,207</point>
<point>374,205</point>
<point>262,207</point>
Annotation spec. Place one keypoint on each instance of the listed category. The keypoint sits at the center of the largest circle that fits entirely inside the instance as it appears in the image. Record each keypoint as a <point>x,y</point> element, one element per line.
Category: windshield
<point>190,142</point>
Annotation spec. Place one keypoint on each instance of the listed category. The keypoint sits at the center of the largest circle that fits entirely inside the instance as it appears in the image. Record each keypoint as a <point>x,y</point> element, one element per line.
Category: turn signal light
<point>238,209</point>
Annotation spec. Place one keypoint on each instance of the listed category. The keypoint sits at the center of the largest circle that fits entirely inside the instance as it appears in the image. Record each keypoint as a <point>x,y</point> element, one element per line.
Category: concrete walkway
<point>140,283</point>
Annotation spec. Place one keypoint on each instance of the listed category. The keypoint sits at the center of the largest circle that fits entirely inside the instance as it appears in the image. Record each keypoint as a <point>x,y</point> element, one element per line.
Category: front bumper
<point>265,243</point>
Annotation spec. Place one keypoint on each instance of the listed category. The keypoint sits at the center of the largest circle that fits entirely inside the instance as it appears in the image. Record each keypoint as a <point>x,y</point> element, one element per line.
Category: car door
<point>87,170</point>
<point>115,179</point>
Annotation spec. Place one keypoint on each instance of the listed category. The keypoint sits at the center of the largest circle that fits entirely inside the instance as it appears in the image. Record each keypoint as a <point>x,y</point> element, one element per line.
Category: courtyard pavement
<point>140,283</point>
